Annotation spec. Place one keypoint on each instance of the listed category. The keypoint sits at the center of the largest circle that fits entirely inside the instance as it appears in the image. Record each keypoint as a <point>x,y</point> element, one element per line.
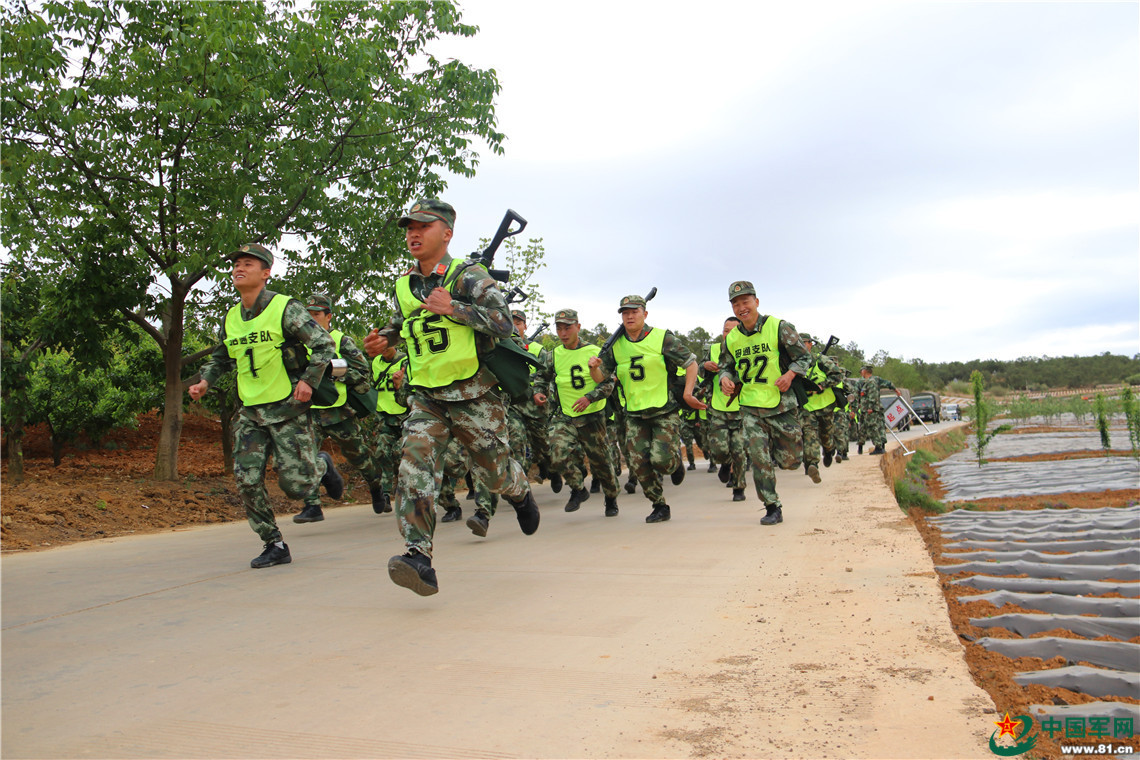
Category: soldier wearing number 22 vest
<point>750,370</point>
<point>450,312</point>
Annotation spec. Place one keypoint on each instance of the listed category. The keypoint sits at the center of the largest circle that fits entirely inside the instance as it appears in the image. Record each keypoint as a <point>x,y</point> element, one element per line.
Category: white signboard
<point>895,413</point>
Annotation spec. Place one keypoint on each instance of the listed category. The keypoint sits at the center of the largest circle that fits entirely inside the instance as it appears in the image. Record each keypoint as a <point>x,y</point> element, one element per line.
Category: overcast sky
<point>943,181</point>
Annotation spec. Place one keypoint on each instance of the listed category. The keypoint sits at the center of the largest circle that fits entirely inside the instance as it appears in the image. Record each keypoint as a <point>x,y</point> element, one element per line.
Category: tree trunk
<point>166,458</point>
<point>14,430</point>
<point>56,446</point>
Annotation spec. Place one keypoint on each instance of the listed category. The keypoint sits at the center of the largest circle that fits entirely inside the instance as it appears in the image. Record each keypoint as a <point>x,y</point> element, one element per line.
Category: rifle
<point>621,328</point>
<point>810,384</point>
<point>515,294</point>
<point>486,257</point>
<point>534,335</point>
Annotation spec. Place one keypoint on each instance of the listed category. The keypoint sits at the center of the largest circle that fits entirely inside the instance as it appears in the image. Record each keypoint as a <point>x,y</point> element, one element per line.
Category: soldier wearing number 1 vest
<point>578,420</point>
<point>750,369</point>
<point>274,419</point>
<point>644,359</point>
<point>449,313</point>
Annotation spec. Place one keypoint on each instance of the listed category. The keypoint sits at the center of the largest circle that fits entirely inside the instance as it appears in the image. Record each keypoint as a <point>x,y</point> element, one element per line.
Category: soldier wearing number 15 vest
<point>449,314</point>
<point>578,421</point>
<point>750,368</point>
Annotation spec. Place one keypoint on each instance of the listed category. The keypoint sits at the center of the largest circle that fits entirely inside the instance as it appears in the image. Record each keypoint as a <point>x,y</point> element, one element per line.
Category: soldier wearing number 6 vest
<point>726,442</point>
<point>337,420</point>
<point>644,359</point>
<point>274,419</point>
<point>578,421</point>
<point>767,403</point>
<point>449,313</point>
<point>818,414</point>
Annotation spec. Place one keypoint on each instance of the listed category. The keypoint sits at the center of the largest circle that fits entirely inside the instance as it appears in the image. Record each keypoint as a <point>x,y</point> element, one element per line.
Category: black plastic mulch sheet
<point>1111,710</point>
<point>1046,570</point>
<point>1075,545</point>
<point>1068,588</point>
<point>1061,604</point>
<point>1130,555</point>
<point>1117,655</point>
<point>1092,681</point>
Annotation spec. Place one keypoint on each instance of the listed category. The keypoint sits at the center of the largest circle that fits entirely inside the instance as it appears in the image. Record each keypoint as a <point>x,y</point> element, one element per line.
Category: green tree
<point>188,128</point>
<point>982,412</point>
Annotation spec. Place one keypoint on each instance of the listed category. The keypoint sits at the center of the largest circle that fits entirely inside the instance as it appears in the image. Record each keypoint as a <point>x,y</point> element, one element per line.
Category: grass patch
<point>910,490</point>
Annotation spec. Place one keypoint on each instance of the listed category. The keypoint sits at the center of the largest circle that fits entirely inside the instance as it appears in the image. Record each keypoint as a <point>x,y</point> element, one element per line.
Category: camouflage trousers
<point>615,437</point>
<point>516,434</point>
<point>387,440</point>
<point>726,443</point>
<point>536,428</point>
<point>352,441</point>
<point>819,430</point>
<point>480,425</point>
<point>573,441</point>
<point>293,446</point>
<point>772,441</point>
<point>653,445</point>
<point>872,426</point>
<point>842,431</point>
<point>689,428</point>
<point>456,465</point>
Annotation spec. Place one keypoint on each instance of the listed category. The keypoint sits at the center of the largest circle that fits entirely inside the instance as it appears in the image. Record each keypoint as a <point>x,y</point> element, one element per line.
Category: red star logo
<point>1007,726</point>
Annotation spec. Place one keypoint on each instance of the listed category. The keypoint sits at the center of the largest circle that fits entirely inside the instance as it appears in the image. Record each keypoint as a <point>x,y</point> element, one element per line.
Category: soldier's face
<point>568,334</point>
<point>744,307</point>
<point>249,273</point>
<point>323,318</point>
<point>728,325</point>
<point>520,325</point>
<point>633,320</point>
<point>427,241</point>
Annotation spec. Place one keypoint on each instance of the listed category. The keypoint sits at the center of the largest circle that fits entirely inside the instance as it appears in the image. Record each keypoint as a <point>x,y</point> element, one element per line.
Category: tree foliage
<point>180,130</point>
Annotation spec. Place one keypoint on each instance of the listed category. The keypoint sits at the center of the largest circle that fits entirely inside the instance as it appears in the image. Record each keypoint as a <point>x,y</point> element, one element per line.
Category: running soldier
<point>644,359</point>
<point>338,420</point>
<point>871,410</point>
<point>578,423</point>
<point>450,312</point>
<point>388,375</point>
<point>818,413</point>
<point>768,404</point>
<point>274,419</point>
<point>534,417</point>
<point>842,417</point>
<point>727,446</point>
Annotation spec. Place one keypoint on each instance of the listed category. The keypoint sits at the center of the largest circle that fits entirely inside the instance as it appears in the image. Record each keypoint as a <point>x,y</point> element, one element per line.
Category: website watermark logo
<point>1016,736</point>
<point>1023,740</point>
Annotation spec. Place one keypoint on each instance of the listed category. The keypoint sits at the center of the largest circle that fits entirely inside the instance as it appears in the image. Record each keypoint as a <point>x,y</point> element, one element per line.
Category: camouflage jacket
<point>296,323</point>
<point>546,382</point>
<point>832,374</point>
<point>867,390</point>
<point>358,376</point>
<point>800,362</point>
<point>677,356</point>
<point>479,303</point>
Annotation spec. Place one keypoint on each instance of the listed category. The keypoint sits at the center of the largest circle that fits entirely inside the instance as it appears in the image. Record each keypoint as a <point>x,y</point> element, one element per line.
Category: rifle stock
<point>486,257</point>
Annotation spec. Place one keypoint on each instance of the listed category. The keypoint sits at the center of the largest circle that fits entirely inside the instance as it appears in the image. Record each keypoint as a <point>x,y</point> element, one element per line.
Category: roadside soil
<point>991,671</point>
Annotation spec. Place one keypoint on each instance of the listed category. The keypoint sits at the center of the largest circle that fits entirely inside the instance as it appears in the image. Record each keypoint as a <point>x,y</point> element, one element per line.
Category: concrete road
<point>710,634</point>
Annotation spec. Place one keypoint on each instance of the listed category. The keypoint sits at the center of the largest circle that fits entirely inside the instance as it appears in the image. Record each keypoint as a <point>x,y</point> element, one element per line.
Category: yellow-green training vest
<point>440,350</point>
<point>535,348</point>
<point>719,399</point>
<point>757,363</point>
<point>256,347</point>
<point>642,372</point>
<point>819,400</point>
<point>572,377</point>
<point>341,388</point>
<point>386,390</point>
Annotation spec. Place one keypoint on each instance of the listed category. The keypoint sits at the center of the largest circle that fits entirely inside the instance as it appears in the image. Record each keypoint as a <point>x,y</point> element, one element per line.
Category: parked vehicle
<point>888,398</point>
<point>928,406</point>
<point>951,412</point>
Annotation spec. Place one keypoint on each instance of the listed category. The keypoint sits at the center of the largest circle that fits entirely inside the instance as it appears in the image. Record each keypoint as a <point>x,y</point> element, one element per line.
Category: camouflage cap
<point>255,250</point>
<point>806,338</point>
<point>566,317</point>
<point>631,302</point>
<point>740,288</point>
<point>429,210</point>
<point>320,301</point>
<point>866,368</point>
<point>517,314</point>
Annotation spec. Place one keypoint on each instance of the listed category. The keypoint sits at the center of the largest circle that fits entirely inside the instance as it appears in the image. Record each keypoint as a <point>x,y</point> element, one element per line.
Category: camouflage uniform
<point>843,420</point>
<point>653,435</point>
<point>471,410</point>
<point>282,429</point>
<point>725,436</point>
<point>690,422</point>
<point>456,465</point>
<point>773,435</point>
<point>818,424</point>
<point>873,423</point>
<point>388,423</point>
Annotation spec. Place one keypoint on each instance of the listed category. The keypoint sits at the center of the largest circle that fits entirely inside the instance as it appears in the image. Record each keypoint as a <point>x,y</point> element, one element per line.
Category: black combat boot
<point>379,498</point>
<point>660,513</point>
<point>631,486</point>
<point>413,571</point>
<point>273,555</point>
<point>738,494</point>
<point>577,496</point>
<point>332,481</point>
<point>556,482</point>
<point>812,472</point>
<point>827,457</point>
<point>611,506</point>
<point>595,486</point>
<point>311,513</point>
<point>678,475</point>
<point>479,522</point>
<point>712,466</point>
<point>860,448</point>
<point>451,514</point>
<point>527,513</point>
<point>725,472</point>
<point>774,515</point>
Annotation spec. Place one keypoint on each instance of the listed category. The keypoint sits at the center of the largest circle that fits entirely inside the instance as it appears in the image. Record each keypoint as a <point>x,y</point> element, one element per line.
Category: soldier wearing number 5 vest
<point>726,442</point>
<point>449,313</point>
<point>578,422</point>
<point>274,419</point>
<point>767,403</point>
<point>644,359</point>
<point>337,420</point>
<point>818,414</point>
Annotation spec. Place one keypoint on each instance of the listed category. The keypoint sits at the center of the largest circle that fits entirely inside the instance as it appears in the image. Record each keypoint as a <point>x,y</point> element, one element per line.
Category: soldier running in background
<point>725,436</point>
<point>274,419</point>
<point>388,377</point>
<point>767,403</point>
<point>874,426</point>
<point>819,412</point>
<point>450,312</point>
